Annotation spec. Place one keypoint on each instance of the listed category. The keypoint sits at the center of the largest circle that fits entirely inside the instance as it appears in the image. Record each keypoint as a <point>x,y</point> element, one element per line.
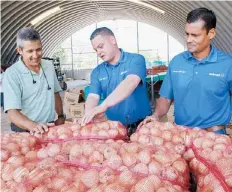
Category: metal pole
<point>137,27</point>
<point>72,56</point>
<point>168,49</point>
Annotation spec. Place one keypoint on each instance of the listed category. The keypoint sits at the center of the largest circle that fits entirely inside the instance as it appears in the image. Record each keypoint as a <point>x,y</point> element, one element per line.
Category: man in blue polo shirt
<point>198,81</point>
<point>121,78</point>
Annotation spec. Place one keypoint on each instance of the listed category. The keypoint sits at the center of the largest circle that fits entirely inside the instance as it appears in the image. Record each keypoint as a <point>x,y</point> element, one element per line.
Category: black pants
<point>131,128</point>
<point>15,128</point>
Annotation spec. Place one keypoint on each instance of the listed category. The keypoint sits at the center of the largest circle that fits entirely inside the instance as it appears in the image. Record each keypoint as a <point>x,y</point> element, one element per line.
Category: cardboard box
<point>70,98</point>
<point>77,110</point>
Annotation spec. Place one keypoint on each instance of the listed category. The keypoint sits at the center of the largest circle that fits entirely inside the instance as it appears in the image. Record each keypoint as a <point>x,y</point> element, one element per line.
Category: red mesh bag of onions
<point>211,161</point>
<point>68,132</point>
<point>162,134</point>
<point>119,155</point>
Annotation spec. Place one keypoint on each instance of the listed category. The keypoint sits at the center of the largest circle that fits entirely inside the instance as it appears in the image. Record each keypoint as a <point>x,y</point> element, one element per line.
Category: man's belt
<point>215,128</point>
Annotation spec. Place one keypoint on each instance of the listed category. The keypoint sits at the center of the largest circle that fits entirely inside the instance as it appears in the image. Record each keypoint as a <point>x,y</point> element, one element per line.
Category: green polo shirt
<point>33,99</point>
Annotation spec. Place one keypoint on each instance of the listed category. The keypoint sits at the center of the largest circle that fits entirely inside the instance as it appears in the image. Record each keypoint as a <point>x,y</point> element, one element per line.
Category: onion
<point>76,150</point>
<point>131,147</point>
<point>13,147</point>
<point>24,150</point>
<point>103,133</point>
<point>145,185</point>
<point>228,180</point>
<point>144,156</point>
<point>141,168</point>
<point>144,130</point>
<point>103,125</point>
<point>167,135</point>
<point>162,157</point>
<point>53,150</point>
<point>106,176</point>
<point>65,173</point>
<point>128,159</point>
<point>179,149</point>
<point>108,152</point>
<point>155,132</point>
<point>134,137</point>
<point>87,149</point>
<point>169,173</point>
<point>157,141</point>
<point>7,172</point>
<point>16,161</point>
<point>114,187</point>
<point>180,166</point>
<point>58,183</point>
<point>220,147</point>
<point>31,155</point>
<point>207,143</point>
<point>64,136</point>
<point>154,168</point>
<point>20,173</point>
<point>4,155</point>
<point>42,153</point>
<point>90,178</point>
<point>113,133</point>
<point>41,188</point>
<point>127,179</point>
<point>144,139</point>
<point>114,162</point>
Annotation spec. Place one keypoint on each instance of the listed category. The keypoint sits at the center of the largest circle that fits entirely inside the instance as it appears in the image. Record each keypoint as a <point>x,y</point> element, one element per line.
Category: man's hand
<point>148,119</point>
<point>92,113</point>
<point>60,121</point>
<point>39,128</point>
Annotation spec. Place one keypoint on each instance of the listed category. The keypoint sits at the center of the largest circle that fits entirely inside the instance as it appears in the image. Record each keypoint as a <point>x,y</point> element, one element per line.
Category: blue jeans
<point>2,100</point>
<point>222,131</point>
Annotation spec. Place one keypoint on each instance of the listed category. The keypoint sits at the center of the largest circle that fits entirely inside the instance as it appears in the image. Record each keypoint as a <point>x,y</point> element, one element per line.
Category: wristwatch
<point>62,116</point>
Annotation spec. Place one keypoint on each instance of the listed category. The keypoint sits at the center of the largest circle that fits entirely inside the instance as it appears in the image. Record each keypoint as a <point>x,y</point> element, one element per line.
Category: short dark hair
<point>101,31</point>
<point>27,34</point>
<point>205,15</point>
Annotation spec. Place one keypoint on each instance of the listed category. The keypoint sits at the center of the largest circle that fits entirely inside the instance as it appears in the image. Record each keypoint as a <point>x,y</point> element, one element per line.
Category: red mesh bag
<point>119,155</point>
<point>102,131</point>
<point>162,134</point>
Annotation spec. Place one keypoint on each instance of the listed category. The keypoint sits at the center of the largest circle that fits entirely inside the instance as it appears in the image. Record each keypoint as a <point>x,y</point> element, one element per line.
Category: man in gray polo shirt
<point>31,87</point>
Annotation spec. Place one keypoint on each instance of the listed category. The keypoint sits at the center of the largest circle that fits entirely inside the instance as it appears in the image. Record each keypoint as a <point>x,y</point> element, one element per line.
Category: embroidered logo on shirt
<point>123,72</point>
<point>179,71</point>
<point>217,74</point>
<point>103,78</point>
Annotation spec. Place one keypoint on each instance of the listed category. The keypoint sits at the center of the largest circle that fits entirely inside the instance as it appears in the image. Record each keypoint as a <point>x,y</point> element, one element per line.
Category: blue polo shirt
<point>106,77</point>
<point>200,89</point>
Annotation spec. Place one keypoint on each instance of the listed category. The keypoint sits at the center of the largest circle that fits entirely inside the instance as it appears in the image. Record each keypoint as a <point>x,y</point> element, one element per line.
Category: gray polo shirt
<point>33,99</point>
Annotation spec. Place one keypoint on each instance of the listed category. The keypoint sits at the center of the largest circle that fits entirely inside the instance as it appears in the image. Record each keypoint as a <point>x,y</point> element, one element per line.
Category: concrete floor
<point>5,123</point>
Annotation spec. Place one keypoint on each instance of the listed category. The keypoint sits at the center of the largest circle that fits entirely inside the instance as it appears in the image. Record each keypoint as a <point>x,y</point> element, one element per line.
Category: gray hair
<point>104,31</point>
<point>27,34</point>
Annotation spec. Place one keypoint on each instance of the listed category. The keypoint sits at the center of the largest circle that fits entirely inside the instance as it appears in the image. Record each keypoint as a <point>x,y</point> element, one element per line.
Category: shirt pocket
<point>213,83</point>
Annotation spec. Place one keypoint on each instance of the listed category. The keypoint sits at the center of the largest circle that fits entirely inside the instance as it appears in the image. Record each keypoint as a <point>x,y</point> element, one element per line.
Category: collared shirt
<point>200,89</point>
<point>106,77</point>
<point>33,99</point>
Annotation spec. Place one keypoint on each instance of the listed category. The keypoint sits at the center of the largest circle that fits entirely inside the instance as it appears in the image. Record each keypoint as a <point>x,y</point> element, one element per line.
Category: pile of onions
<point>119,156</point>
<point>211,161</point>
<point>105,130</point>
<point>16,144</point>
<point>162,134</point>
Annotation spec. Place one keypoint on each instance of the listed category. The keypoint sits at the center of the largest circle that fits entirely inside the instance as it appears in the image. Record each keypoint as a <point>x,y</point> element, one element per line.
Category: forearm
<point>58,104</point>
<point>123,90</point>
<point>20,120</point>
<point>162,107</point>
<point>92,101</point>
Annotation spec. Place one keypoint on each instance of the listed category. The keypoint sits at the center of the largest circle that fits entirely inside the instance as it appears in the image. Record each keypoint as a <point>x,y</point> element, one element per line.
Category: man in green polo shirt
<point>31,87</point>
